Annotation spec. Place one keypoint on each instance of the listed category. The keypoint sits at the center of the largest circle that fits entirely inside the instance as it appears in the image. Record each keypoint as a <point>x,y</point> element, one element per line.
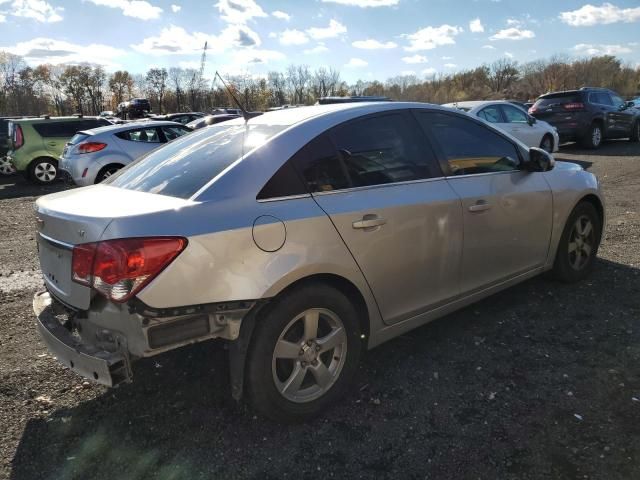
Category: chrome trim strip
<point>453,177</point>
<point>56,243</point>
<point>382,185</point>
<point>287,197</point>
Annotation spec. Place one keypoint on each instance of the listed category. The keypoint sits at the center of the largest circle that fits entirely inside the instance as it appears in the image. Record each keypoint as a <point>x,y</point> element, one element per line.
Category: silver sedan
<point>303,237</point>
<point>93,155</point>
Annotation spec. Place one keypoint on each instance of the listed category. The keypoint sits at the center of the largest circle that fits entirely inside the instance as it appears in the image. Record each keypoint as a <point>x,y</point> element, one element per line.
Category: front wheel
<point>593,138</point>
<point>579,244</point>
<point>547,144</point>
<point>304,353</point>
<point>635,132</point>
<point>43,170</point>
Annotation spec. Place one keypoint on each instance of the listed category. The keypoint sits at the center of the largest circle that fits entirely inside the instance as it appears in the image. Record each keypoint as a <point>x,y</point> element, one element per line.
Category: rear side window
<point>285,183</point>
<point>320,166</point>
<point>147,135</point>
<point>468,147</point>
<point>383,149</point>
<point>51,128</point>
<point>184,166</point>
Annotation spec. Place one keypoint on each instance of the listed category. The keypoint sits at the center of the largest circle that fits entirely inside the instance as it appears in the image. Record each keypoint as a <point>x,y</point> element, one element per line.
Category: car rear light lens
<point>90,147</point>
<point>119,269</point>
<point>573,106</point>
<point>18,138</point>
<point>533,109</point>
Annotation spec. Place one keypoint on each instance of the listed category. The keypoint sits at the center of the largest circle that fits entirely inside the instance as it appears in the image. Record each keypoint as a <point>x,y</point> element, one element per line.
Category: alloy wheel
<point>596,136</point>
<point>581,242</point>
<point>309,355</point>
<point>107,173</point>
<point>547,144</point>
<point>45,172</point>
<point>6,168</point>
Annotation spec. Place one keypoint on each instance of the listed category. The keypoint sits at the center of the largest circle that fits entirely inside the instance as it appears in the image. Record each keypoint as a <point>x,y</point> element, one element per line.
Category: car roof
<point>470,104</point>
<point>292,116</point>
<point>123,127</point>
<point>52,119</point>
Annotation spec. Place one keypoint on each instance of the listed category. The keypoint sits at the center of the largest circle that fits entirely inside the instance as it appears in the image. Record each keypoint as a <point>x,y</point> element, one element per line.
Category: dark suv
<point>588,115</point>
<point>134,108</point>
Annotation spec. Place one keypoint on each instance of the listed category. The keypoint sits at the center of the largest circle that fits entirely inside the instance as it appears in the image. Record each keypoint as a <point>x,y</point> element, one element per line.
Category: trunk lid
<point>69,218</point>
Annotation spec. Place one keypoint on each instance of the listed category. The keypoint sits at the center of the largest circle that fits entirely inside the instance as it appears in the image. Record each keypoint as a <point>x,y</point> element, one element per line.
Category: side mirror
<point>531,120</point>
<point>539,160</point>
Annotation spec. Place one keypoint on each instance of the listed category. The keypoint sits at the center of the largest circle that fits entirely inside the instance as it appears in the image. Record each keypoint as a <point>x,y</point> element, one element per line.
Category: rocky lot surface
<point>539,381</point>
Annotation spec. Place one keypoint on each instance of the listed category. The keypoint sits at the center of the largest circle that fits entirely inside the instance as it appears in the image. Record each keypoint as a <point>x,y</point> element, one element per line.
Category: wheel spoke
<point>285,349</point>
<point>572,247</point>
<point>332,340</point>
<point>587,229</point>
<point>578,259</point>
<point>321,374</point>
<point>586,249</point>
<point>311,325</point>
<point>578,226</point>
<point>292,385</point>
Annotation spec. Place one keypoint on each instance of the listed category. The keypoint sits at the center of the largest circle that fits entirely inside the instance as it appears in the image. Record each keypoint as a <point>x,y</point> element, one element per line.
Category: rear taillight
<point>573,106</point>
<point>533,109</point>
<point>18,137</point>
<point>90,147</point>
<point>119,269</point>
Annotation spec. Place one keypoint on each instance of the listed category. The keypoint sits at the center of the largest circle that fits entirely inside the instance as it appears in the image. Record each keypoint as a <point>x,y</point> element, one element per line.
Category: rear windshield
<point>559,98</point>
<point>185,165</point>
<point>77,138</point>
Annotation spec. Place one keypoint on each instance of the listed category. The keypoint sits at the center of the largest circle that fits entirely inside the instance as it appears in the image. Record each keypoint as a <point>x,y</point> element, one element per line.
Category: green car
<point>37,143</point>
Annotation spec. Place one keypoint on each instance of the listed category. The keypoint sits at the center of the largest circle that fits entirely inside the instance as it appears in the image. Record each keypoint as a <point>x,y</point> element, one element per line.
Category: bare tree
<point>157,82</point>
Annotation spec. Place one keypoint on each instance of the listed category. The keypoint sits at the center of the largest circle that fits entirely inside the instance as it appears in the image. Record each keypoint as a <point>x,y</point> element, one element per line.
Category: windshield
<point>185,165</point>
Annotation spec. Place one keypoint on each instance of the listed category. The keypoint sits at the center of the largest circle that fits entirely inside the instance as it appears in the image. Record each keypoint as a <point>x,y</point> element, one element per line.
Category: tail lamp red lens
<point>119,269</point>
<point>90,147</point>
<point>18,140</point>
<point>573,106</point>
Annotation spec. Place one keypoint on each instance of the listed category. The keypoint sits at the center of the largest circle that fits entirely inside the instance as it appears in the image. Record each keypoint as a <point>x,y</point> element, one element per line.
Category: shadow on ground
<point>538,381</point>
<point>608,148</point>
<point>16,186</point>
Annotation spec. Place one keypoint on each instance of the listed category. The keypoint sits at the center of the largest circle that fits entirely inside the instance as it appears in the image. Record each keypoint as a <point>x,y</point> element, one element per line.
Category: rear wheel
<point>547,143</point>
<point>304,353</point>
<point>579,244</point>
<point>6,168</point>
<point>635,132</point>
<point>593,138</point>
<point>106,172</point>
<point>43,170</point>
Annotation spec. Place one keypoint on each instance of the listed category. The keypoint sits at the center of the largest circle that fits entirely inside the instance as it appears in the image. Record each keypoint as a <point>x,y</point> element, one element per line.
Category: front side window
<point>491,114</point>
<point>617,101</point>
<point>148,135</point>
<point>514,115</point>
<point>184,166</point>
<point>469,148</point>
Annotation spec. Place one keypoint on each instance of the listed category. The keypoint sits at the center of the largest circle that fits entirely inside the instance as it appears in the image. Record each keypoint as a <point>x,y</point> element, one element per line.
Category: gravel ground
<point>539,381</point>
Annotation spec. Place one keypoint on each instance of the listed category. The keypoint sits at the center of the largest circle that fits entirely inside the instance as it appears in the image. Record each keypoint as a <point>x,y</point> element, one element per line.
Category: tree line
<point>89,89</point>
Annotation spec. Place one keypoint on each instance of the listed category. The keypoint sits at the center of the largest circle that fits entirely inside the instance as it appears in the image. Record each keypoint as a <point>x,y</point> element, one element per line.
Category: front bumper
<point>101,366</point>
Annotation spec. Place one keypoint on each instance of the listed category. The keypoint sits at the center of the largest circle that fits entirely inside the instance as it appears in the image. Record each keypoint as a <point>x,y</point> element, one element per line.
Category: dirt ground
<point>540,381</point>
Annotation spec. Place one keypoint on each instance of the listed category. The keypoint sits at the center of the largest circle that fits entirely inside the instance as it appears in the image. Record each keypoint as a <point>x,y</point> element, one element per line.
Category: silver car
<point>303,237</point>
<point>93,155</point>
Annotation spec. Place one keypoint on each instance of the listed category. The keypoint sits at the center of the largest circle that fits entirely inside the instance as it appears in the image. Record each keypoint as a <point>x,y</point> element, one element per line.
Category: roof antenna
<point>246,115</point>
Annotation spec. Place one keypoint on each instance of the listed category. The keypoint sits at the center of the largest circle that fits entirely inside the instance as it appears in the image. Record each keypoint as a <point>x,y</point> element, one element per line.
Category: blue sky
<point>367,39</point>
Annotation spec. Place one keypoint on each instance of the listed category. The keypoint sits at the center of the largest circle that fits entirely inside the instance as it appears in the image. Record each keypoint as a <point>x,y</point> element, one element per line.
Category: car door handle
<point>480,206</point>
<point>369,221</point>
<point>52,144</point>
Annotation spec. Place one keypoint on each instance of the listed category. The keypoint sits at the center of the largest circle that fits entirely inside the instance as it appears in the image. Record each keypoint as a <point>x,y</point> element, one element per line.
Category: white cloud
<point>489,47</point>
<point>605,14</point>
<point>371,44</point>
<point>429,71</point>
<point>447,58</point>
<point>281,15</point>
<point>508,54</point>
<point>239,11</point>
<point>590,49</point>
<point>320,48</point>
<point>38,10</point>
<point>356,63</point>
<point>334,29</point>
<point>132,8</point>
<point>512,33</point>
<point>174,40</point>
<point>450,65</point>
<point>431,37</point>
<point>293,37</point>
<point>512,22</point>
<point>406,73</point>
<point>189,64</point>
<point>365,3</point>
<point>176,8</point>
<point>415,59</point>
<point>3,18</point>
<point>46,50</point>
<point>476,26</point>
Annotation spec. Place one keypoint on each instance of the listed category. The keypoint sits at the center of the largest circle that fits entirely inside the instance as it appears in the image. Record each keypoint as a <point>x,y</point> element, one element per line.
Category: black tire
<point>263,368</point>
<point>106,171</point>
<point>635,132</point>
<point>571,264</point>
<point>43,170</point>
<point>593,138</point>
<point>547,143</point>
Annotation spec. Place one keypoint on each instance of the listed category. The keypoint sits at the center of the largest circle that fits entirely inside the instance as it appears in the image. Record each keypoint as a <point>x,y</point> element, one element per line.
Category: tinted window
<point>491,114</point>
<point>469,147</point>
<point>383,149</point>
<point>559,99</point>
<point>617,101</point>
<point>59,129</point>
<point>319,165</point>
<point>284,183</point>
<point>601,98</point>
<point>172,133</point>
<point>184,166</point>
<point>149,135</point>
<point>514,115</point>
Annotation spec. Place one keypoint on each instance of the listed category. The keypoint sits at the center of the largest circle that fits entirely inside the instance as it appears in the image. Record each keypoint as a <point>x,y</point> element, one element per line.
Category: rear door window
<point>147,135</point>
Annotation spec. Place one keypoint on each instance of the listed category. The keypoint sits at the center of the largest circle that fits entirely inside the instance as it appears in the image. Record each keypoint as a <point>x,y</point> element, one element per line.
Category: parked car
<point>588,115</point>
<point>513,120</point>
<point>183,118</point>
<point>37,143</point>
<point>6,168</point>
<point>210,120</point>
<point>134,108</point>
<point>107,113</point>
<point>221,110</point>
<point>302,237</point>
<point>92,156</point>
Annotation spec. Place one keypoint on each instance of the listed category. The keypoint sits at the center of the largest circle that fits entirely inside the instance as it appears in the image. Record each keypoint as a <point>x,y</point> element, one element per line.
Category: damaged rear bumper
<point>101,366</point>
